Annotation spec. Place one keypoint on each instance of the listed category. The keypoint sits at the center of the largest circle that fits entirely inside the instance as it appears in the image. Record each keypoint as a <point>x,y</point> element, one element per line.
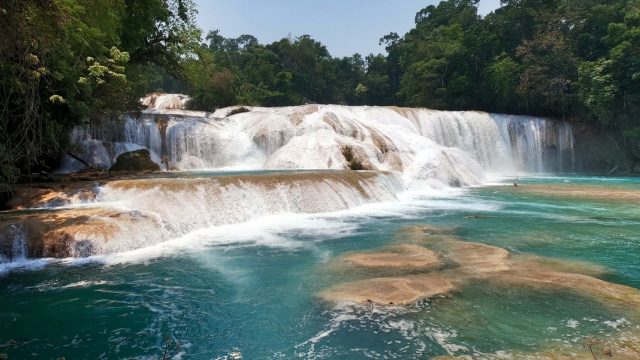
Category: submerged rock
<point>390,291</point>
<point>591,192</point>
<point>403,256</point>
<point>138,160</point>
<point>621,345</point>
<point>447,263</point>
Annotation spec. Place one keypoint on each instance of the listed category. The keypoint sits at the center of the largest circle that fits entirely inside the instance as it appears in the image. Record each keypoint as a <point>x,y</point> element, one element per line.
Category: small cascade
<point>13,243</point>
<point>125,215</point>
<point>403,148</point>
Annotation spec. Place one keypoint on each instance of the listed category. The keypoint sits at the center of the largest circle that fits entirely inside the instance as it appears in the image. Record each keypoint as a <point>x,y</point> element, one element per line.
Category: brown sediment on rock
<point>301,111</point>
<point>561,265</point>
<point>404,256</point>
<point>64,233</point>
<point>387,291</point>
<point>350,178</point>
<point>623,345</point>
<point>606,292</point>
<point>332,120</point>
<point>384,144</point>
<point>406,112</point>
<point>63,193</point>
<point>238,110</point>
<point>478,260</point>
<point>422,233</point>
<point>600,193</point>
<point>50,195</point>
<point>461,263</point>
<point>356,158</point>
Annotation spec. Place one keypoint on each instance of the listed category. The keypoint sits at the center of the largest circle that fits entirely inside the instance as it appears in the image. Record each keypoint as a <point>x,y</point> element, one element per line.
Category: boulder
<point>138,160</point>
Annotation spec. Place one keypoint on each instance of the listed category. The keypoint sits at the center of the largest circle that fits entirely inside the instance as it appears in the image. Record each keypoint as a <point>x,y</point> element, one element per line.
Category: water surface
<point>252,290</point>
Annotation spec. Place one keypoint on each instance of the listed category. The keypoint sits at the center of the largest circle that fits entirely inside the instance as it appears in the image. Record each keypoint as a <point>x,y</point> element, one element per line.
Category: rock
<point>230,111</point>
<point>393,290</point>
<point>165,101</point>
<point>62,233</point>
<point>138,160</point>
<point>404,256</point>
<point>238,110</point>
<point>356,158</point>
<point>50,195</point>
<point>413,273</point>
<point>590,192</point>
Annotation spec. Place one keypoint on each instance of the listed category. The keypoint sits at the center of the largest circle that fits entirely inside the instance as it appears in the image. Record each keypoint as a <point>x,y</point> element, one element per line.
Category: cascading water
<point>125,215</point>
<point>13,243</point>
<point>408,149</point>
<point>316,137</point>
<point>343,264</point>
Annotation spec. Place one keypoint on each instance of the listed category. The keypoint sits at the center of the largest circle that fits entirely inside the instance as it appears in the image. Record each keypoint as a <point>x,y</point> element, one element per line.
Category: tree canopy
<point>69,62</point>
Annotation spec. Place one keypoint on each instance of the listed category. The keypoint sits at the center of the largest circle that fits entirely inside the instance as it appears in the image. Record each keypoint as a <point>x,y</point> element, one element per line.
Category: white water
<point>424,151</point>
<point>161,214</point>
<point>165,101</point>
<point>451,148</point>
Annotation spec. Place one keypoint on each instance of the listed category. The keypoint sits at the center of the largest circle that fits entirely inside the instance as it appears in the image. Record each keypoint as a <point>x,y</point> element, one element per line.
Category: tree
<point>69,62</point>
<point>502,77</point>
<point>550,69</point>
<point>597,89</point>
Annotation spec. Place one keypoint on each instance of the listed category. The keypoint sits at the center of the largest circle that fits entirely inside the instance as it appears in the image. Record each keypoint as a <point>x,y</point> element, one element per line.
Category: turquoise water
<point>257,295</point>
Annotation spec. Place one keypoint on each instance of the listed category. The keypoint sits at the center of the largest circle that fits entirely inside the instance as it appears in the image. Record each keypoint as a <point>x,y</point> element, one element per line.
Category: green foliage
<point>67,62</point>
<point>597,89</point>
<point>502,77</point>
<point>632,137</point>
<point>546,84</point>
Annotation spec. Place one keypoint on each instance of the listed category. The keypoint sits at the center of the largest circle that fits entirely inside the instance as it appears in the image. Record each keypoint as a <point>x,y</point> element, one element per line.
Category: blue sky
<point>344,26</point>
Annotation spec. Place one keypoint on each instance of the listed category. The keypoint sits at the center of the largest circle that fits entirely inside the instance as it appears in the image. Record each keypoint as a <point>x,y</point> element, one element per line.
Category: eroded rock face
<point>69,232</point>
<point>137,161</point>
<point>29,197</point>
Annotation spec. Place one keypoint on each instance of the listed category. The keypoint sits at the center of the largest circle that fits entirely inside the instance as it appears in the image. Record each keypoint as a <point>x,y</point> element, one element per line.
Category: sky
<point>345,27</point>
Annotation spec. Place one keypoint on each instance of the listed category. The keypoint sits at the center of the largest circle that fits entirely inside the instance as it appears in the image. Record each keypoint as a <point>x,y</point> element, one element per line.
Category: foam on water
<point>426,154</point>
<point>269,219</point>
<point>449,147</point>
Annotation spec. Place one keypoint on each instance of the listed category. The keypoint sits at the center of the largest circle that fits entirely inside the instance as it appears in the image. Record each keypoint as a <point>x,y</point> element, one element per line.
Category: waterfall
<point>13,243</point>
<point>315,137</point>
<point>405,149</point>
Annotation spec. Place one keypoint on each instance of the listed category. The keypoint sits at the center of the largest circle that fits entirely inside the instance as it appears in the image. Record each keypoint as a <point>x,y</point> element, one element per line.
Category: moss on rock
<point>138,160</point>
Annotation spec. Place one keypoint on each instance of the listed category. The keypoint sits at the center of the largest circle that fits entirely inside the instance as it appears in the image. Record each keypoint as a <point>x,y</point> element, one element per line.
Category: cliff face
<point>602,152</point>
